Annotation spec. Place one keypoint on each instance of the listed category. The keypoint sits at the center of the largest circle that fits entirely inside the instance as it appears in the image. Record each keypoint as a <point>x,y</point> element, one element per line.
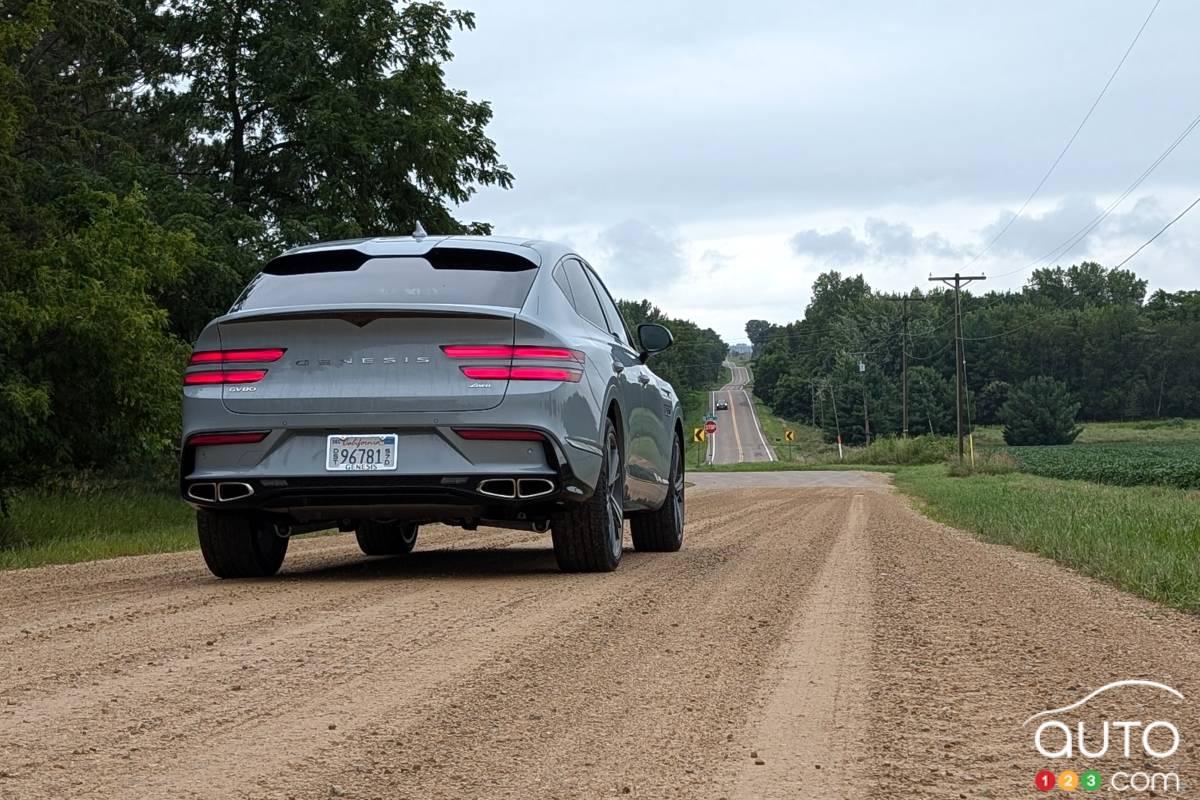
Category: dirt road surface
<point>739,437</point>
<point>814,639</point>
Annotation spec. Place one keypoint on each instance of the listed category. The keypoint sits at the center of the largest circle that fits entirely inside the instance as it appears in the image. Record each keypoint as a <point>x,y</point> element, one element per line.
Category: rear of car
<point>382,384</point>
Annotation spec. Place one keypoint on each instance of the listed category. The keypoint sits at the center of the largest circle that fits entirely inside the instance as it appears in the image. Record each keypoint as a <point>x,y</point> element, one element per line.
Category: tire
<point>662,531</point>
<point>238,546</point>
<point>386,538</point>
<point>588,538</point>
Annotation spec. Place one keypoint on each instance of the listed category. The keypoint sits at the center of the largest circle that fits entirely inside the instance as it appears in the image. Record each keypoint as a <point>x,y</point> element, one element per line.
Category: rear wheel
<point>239,546</point>
<point>589,537</point>
<point>386,538</point>
<point>662,531</point>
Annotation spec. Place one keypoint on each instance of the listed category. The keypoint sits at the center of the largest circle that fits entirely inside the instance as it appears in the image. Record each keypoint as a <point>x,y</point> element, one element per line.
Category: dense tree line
<point>1120,354</point>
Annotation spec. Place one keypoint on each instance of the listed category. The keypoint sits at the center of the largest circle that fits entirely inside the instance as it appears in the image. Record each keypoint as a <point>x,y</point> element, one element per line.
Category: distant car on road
<point>376,385</point>
<point>722,406</point>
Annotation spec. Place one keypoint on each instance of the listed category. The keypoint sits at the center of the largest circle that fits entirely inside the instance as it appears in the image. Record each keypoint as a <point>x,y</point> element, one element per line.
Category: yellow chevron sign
<point>789,436</point>
<point>698,435</point>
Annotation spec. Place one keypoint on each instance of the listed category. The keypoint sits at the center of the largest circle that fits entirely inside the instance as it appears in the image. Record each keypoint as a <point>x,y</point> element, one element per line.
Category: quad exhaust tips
<point>516,488</point>
<point>221,492</point>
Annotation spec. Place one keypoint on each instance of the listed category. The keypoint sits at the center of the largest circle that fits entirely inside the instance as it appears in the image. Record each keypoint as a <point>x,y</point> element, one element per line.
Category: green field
<point>1174,464</point>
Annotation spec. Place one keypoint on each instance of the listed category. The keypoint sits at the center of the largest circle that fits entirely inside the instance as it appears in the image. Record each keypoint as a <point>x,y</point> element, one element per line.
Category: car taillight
<point>226,356</point>
<point>523,373</point>
<point>221,376</point>
<point>241,437</point>
<point>514,371</point>
<point>500,434</point>
<point>518,352</point>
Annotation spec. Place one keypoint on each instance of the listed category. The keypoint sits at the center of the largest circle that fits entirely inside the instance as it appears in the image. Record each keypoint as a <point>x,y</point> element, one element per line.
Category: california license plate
<point>361,452</point>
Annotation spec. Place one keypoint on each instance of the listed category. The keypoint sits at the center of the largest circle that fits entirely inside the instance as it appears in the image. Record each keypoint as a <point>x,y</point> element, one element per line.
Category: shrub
<point>895,450</point>
<point>1040,411</point>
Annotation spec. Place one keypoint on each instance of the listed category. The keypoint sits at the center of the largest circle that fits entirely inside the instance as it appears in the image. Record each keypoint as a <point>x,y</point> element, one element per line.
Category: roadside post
<point>710,428</point>
<point>698,438</point>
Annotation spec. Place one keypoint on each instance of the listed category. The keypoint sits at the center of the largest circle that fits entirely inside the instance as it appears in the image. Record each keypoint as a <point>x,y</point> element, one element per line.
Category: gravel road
<point>817,639</point>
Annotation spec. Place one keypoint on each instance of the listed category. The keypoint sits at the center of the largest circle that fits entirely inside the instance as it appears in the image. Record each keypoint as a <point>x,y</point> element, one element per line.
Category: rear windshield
<point>403,279</point>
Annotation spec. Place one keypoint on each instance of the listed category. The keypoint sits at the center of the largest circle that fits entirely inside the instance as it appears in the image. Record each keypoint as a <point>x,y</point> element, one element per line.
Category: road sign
<point>789,435</point>
<point>711,426</point>
<point>709,418</point>
<point>698,435</point>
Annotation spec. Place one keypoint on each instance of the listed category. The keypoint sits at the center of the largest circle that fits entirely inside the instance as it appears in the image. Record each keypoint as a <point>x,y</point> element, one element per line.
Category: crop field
<point>1175,464</point>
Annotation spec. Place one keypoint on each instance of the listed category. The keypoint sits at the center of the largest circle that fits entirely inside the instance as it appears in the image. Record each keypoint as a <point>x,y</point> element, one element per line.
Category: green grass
<point>1143,539</point>
<point>1174,463</point>
<point>68,526</point>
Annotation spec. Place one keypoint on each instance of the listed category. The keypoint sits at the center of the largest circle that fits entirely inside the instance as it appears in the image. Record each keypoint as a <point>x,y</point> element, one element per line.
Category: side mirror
<point>654,338</point>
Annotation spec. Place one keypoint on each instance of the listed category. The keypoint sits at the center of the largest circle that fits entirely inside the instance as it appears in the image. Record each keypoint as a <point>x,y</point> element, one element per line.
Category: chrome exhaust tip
<point>534,487</point>
<point>204,492</point>
<point>233,491</point>
<point>498,487</point>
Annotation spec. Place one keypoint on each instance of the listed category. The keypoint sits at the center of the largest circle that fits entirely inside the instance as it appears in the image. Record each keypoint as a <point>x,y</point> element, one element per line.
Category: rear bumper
<point>449,498</point>
<point>441,478</point>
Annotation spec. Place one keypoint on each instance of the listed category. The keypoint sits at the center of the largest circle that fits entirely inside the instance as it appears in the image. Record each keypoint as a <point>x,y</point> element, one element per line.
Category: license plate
<point>360,452</point>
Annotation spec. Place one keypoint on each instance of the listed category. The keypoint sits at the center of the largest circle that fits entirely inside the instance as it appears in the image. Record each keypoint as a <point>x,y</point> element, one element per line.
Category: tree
<point>323,119</point>
<point>930,401</point>
<point>1040,411</point>
<point>989,401</point>
<point>757,331</point>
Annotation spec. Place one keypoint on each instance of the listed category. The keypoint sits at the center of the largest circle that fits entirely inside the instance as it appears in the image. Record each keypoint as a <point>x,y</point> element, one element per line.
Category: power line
<point>1065,246</point>
<point>1070,141</point>
<point>1161,231</point>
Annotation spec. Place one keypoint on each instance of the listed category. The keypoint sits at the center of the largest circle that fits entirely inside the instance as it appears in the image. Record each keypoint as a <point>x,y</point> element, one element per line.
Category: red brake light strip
<point>508,351</point>
<point>221,376</point>
<point>500,434</point>
<point>241,437</point>
<point>523,373</point>
<point>226,356</point>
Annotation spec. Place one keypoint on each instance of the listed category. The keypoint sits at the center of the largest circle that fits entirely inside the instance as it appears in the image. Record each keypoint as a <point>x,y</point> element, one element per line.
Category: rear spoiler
<point>362,313</point>
<point>348,259</point>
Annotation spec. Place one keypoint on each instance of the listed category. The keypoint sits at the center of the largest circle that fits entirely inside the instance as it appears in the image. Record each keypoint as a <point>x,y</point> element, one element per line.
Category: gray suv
<point>376,385</point>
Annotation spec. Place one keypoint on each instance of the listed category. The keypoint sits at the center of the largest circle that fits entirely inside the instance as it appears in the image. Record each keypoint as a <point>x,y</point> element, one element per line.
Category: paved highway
<point>739,437</point>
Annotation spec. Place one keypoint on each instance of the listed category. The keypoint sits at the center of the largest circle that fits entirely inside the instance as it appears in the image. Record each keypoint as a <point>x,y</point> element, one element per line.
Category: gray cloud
<point>881,241</point>
<point>1037,235</point>
<point>640,254</point>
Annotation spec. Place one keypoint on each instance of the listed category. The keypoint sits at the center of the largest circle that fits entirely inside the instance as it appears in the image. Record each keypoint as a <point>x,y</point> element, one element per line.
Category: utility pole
<point>957,282</point>
<point>904,362</point>
<point>904,368</point>
<point>862,368</point>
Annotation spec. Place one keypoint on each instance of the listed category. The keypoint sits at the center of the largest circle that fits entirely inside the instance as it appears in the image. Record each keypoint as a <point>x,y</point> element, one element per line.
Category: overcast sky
<point>715,157</point>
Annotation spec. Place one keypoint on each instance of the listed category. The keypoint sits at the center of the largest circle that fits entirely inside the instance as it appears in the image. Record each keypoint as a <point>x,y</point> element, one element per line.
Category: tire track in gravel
<point>805,743</point>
